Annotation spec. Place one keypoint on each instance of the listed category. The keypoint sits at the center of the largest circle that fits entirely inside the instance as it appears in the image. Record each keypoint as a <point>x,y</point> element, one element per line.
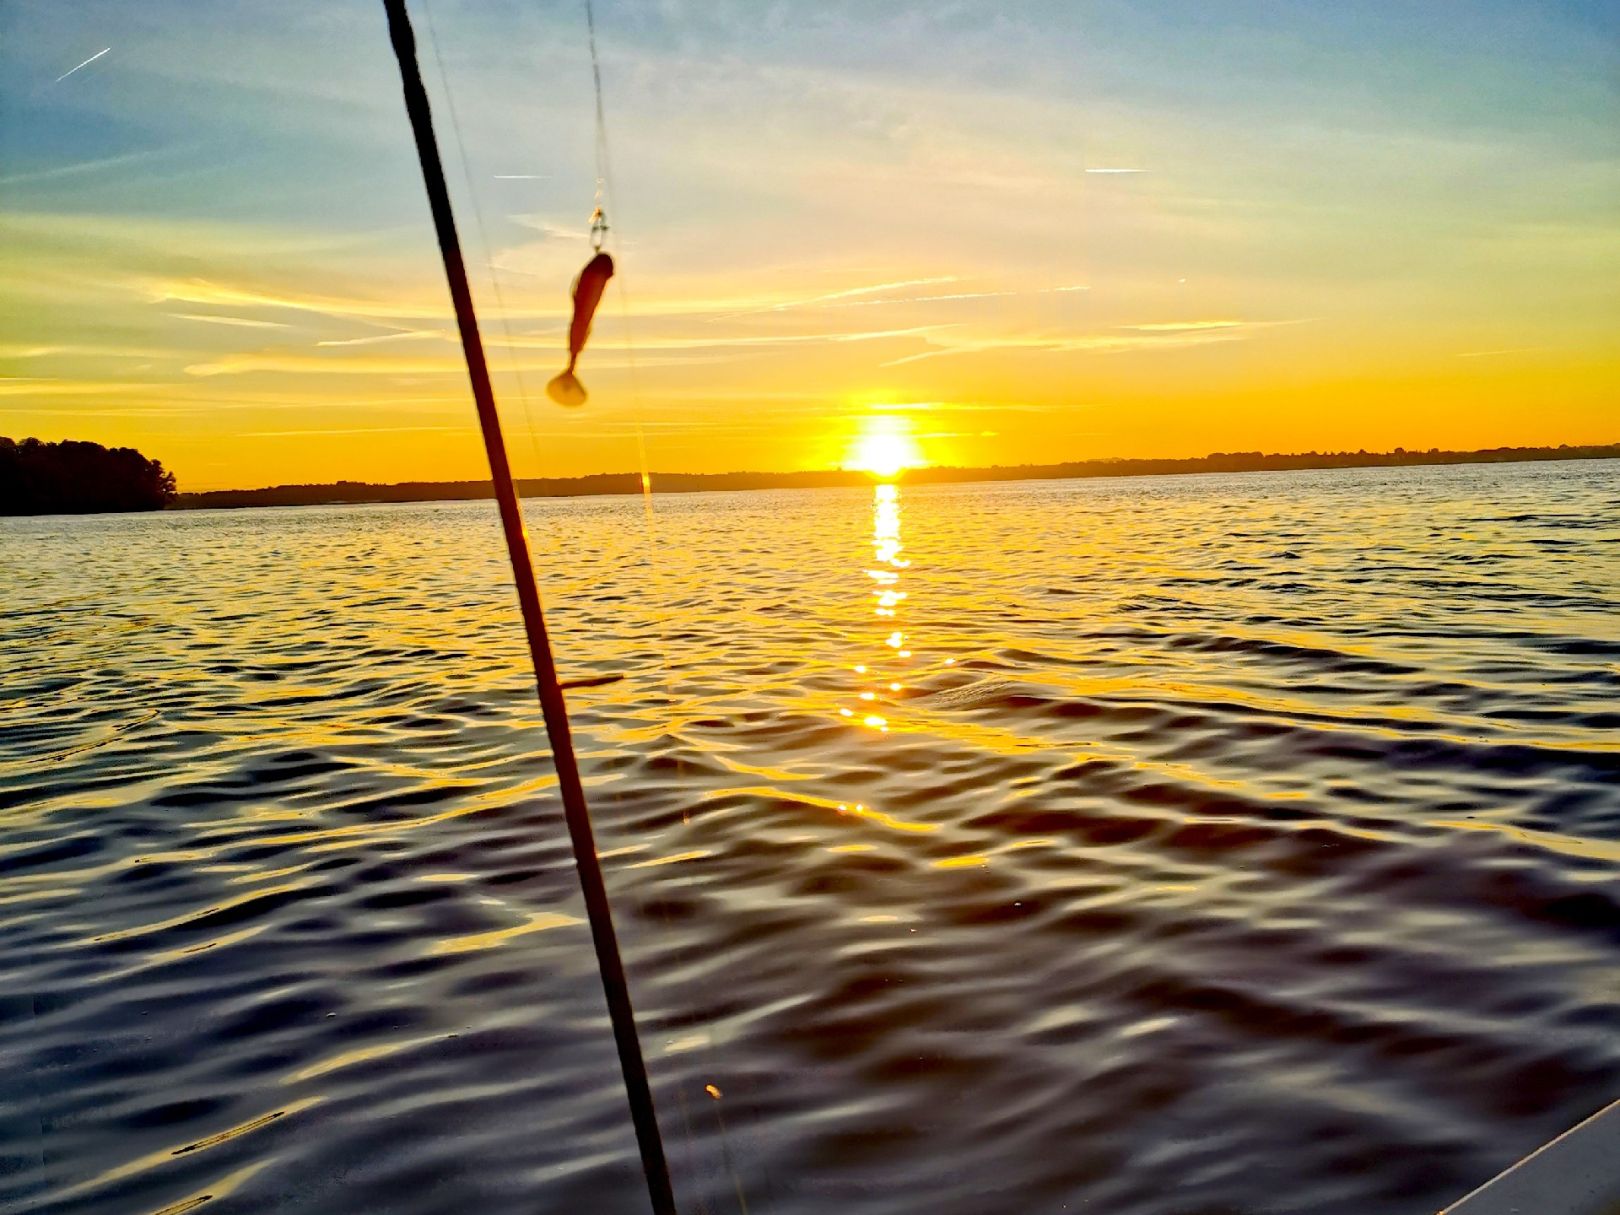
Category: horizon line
<point>1029,471</point>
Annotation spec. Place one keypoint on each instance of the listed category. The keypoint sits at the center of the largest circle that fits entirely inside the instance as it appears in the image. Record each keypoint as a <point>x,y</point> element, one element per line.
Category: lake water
<point>1165,846</point>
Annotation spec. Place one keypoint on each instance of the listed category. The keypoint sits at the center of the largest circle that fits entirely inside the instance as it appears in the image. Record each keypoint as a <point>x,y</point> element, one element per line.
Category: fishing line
<point>514,360</point>
<point>607,199</point>
<point>576,814</point>
<point>603,194</point>
<point>602,172</point>
<point>600,233</point>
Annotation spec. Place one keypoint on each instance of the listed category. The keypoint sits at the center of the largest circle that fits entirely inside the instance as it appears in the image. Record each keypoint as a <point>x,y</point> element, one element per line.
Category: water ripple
<point>1212,844</point>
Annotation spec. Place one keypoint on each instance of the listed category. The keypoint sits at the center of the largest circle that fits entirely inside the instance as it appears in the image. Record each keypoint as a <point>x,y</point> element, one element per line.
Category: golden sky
<point>1011,234</point>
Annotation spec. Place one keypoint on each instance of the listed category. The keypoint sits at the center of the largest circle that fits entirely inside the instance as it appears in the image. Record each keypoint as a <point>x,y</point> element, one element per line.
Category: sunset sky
<point>1009,233</point>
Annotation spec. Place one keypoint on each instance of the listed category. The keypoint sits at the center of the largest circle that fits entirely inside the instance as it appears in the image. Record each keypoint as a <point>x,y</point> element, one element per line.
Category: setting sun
<point>884,447</point>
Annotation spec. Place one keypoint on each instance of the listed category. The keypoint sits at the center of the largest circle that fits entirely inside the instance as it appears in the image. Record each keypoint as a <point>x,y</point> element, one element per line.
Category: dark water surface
<point>1225,845</point>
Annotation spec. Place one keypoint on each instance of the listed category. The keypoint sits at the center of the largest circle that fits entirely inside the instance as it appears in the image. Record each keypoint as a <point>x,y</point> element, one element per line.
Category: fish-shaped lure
<point>588,287</point>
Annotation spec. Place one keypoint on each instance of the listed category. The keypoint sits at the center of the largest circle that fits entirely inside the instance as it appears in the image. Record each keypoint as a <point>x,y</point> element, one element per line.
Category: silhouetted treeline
<point>73,478</point>
<point>665,483</point>
<point>1255,461</point>
<point>535,487</point>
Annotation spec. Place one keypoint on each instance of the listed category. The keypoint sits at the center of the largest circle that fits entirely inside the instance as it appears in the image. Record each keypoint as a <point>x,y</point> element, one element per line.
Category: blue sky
<point>217,247</point>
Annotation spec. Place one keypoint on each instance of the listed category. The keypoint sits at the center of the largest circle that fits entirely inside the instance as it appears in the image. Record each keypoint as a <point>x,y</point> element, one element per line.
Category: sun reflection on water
<point>884,670</point>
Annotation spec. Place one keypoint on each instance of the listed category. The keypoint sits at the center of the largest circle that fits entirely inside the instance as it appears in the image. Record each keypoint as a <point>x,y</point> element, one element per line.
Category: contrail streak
<point>86,63</point>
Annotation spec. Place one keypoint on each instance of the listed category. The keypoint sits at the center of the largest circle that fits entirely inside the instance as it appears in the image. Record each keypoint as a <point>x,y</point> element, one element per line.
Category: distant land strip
<point>686,483</point>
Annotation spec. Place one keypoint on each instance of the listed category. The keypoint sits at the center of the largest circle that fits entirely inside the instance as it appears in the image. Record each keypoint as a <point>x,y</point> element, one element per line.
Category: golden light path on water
<point>885,669</point>
<point>881,685</point>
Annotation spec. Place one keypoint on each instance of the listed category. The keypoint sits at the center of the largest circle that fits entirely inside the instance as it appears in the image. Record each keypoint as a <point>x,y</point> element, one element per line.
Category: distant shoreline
<point>597,484</point>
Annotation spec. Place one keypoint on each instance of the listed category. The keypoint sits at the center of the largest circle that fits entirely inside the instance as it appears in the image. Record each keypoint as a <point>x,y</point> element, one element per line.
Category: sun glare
<point>884,447</point>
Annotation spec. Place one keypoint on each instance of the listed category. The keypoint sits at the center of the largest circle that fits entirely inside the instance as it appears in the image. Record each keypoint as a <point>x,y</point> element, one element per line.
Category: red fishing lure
<point>588,287</point>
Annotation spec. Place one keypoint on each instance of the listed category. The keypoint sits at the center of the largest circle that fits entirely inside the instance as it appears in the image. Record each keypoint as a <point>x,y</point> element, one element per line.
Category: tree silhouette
<point>73,477</point>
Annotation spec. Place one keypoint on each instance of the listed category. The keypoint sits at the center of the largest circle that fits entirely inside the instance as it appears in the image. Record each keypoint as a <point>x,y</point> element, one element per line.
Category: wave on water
<point>1169,846</point>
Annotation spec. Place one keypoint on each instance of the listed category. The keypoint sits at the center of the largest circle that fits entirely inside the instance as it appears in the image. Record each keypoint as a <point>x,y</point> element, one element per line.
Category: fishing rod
<point>597,909</point>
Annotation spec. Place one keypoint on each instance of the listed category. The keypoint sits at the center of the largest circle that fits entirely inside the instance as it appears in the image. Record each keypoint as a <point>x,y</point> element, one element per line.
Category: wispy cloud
<point>349,430</point>
<point>670,304</point>
<point>1197,326</point>
<point>1114,343</point>
<point>709,348</point>
<point>64,388</point>
<point>1160,335</point>
<point>308,364</point>
<point>948,297</point>
<point>85,64</point>
<point>203,291</point>
<point>549,228</point>
<point>242,321</point>
<point>1183,326</point>
<point>294,363</point>
<point>82,350</point>
<point>830,297</point>
<point>782,339</point>
<point>956,296</point>
<point>125,411</point>
<point>404,335</point>
<point>954,407</point>
<point>855,297</point>
<point>79,167</point>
